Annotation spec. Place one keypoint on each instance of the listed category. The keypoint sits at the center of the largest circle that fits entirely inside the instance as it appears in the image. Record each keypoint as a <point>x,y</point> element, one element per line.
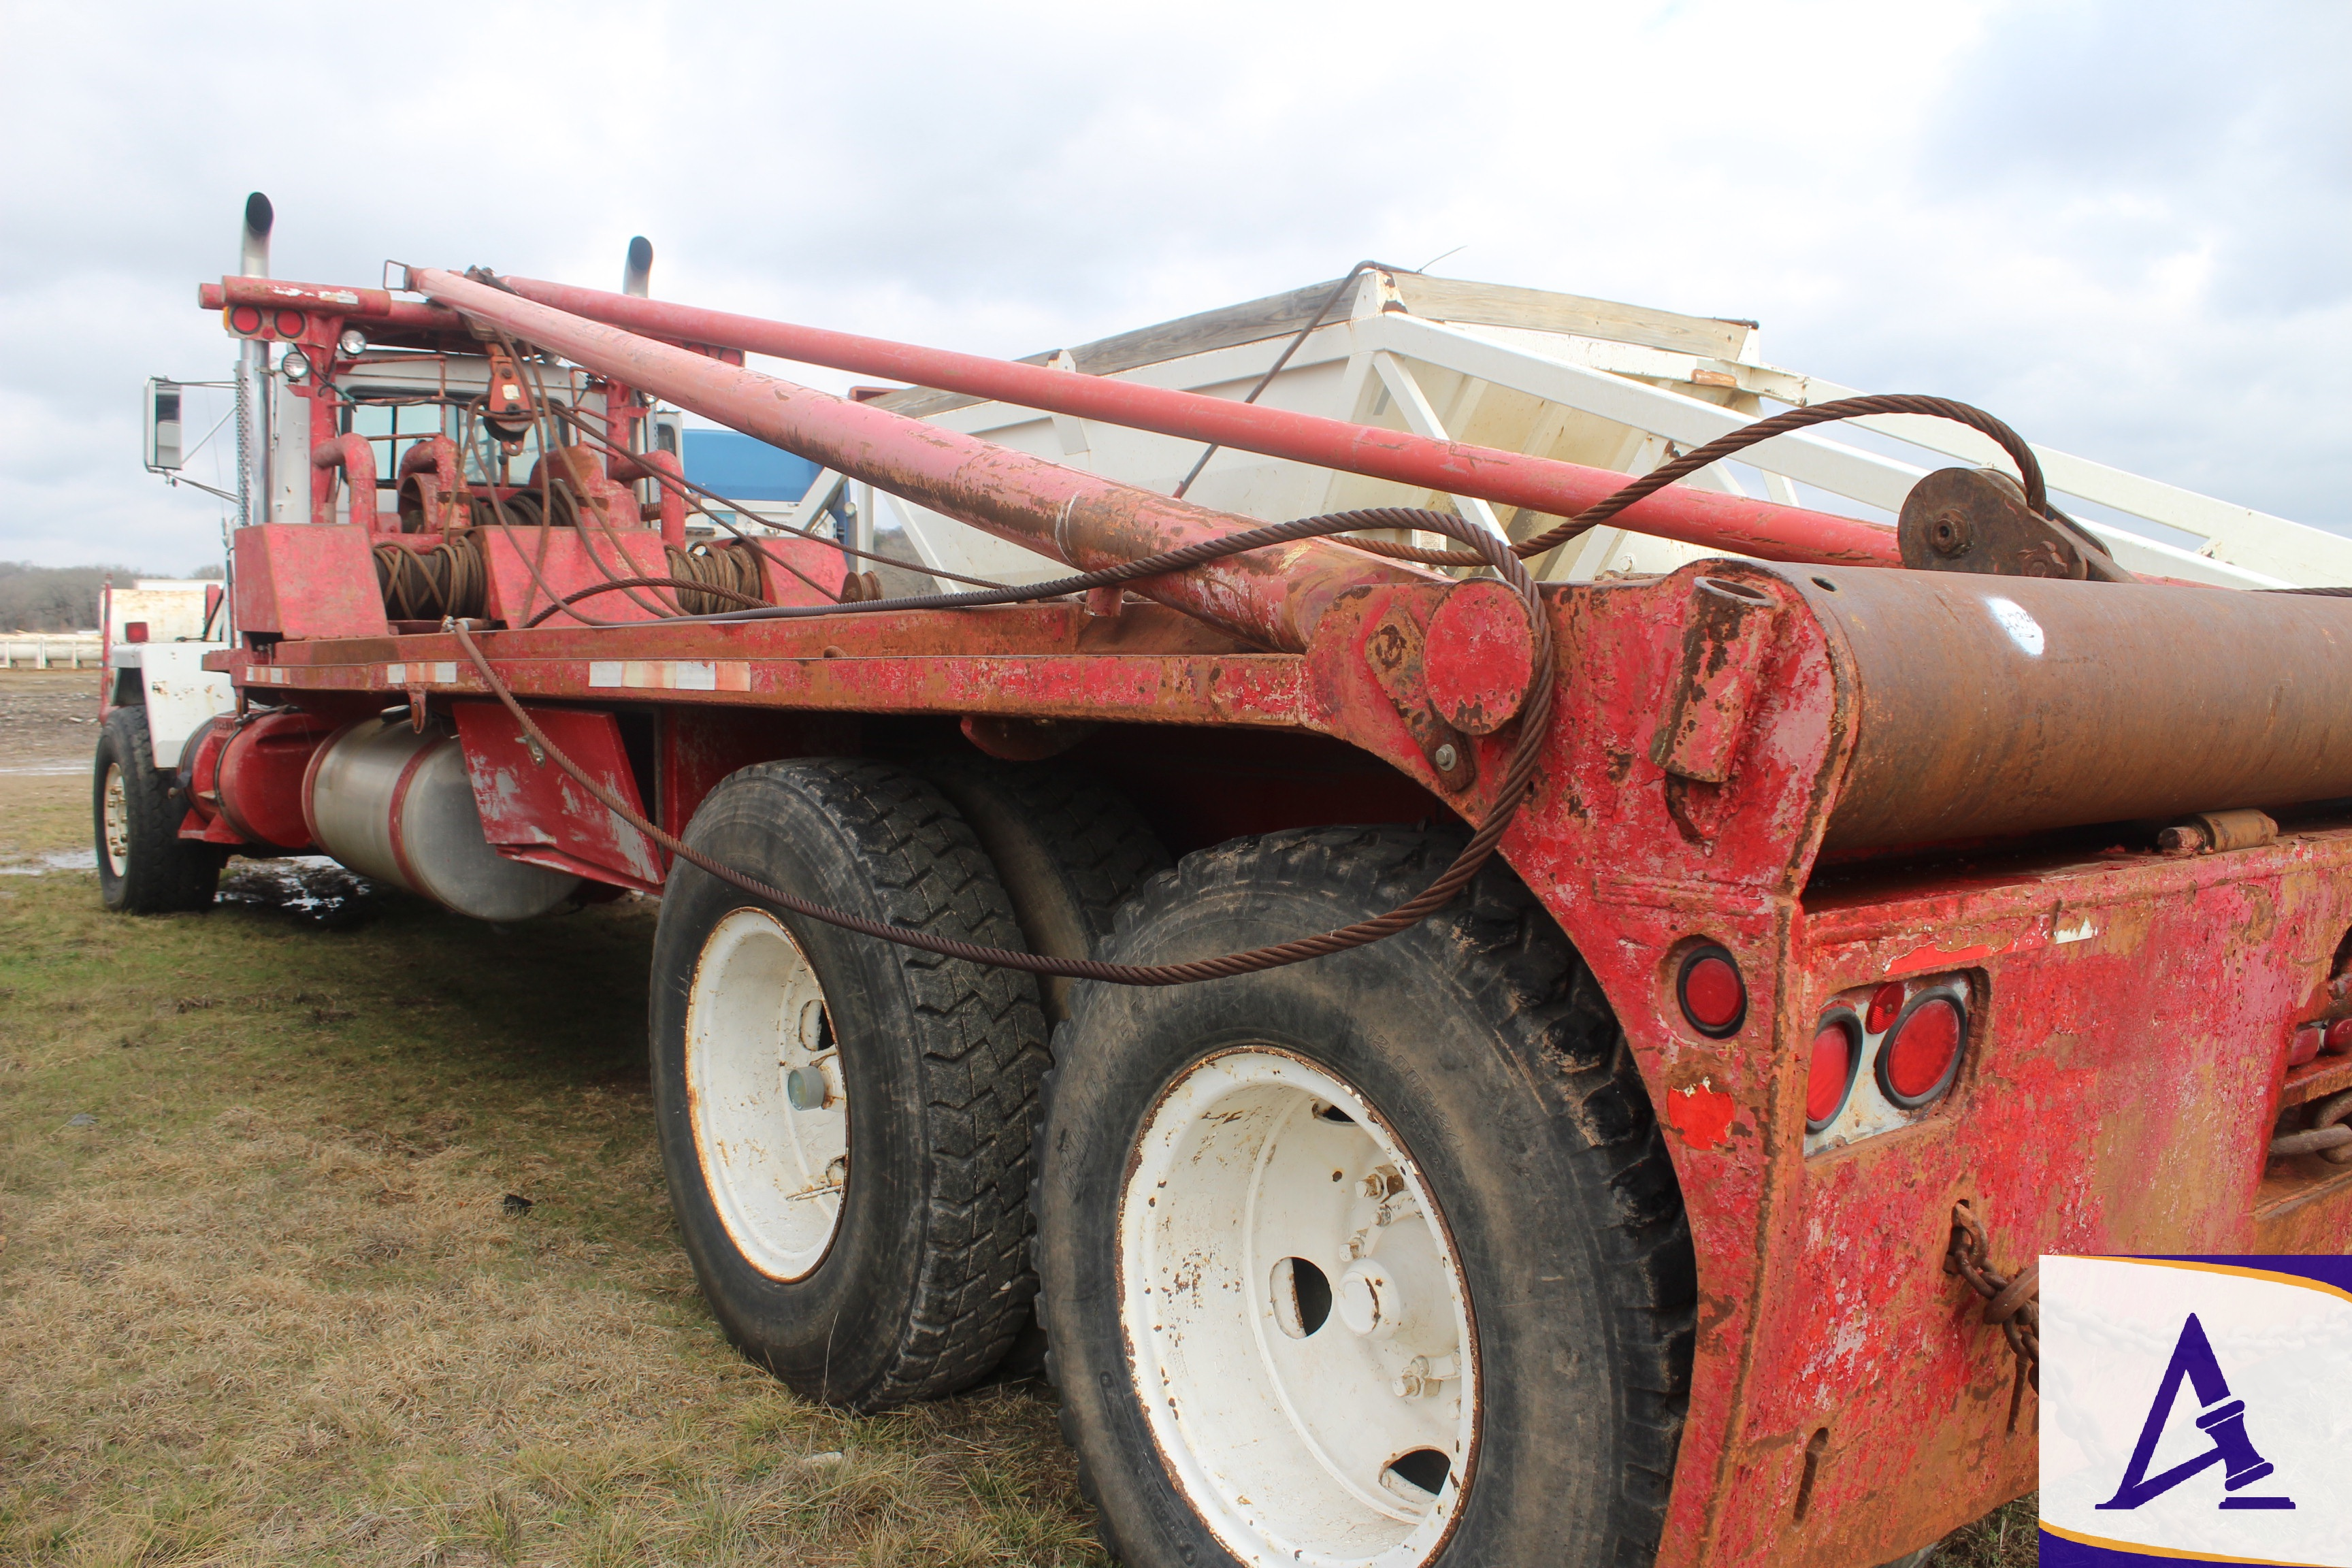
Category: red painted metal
<point>533,811</point>
<point>302,580</point>
<point>255,777</point>
<point>1272,596</point>
<point>1561,489</point>
<point>356,459</point>
<point>362,304</point>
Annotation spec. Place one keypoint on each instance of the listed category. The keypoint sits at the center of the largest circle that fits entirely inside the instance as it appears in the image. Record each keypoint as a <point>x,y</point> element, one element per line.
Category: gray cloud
<point>2121,226</point>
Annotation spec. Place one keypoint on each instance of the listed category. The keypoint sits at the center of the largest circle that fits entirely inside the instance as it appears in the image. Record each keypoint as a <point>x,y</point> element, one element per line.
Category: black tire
<point>1071,852</point>
<point>1485,1046</point>
<point>151,871</point>
<point>924,1283</point>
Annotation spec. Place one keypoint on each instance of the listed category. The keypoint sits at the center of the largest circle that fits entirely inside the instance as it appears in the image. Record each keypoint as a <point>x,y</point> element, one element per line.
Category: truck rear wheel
<point>1376,1258</point>
<point>1071,852</point>
<point>145,867</point>
<point>845,1123</point>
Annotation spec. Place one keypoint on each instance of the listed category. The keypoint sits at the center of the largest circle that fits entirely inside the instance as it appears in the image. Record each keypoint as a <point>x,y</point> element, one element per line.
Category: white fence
<point>50,650</point>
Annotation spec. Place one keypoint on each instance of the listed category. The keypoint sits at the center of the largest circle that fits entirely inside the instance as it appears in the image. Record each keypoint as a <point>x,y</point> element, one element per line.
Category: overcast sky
<point>2121,226</point>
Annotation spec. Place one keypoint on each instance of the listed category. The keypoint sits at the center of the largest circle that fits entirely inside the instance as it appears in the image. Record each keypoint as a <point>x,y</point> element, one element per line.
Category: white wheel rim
<point>1284,1441</point>
<point>118,821</point>
<point>756,1032</point>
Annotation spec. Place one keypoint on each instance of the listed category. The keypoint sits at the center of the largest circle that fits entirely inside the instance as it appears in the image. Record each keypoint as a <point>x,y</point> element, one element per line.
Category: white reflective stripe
<point>604,672</point>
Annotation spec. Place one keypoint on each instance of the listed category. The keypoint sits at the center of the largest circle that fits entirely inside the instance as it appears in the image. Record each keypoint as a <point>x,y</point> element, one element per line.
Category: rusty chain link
<point>2012,1303</point>
<point>2324,1131</point>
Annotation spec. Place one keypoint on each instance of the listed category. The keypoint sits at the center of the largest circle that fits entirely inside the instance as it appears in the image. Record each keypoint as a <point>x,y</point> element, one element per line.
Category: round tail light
<point>1886,1004</point>
<point>1713,996</point>
<point>1922,1054</point>
<point>1837,1058</point>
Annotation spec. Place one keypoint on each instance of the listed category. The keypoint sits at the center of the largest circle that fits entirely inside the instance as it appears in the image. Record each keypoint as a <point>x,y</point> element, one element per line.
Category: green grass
<point>271,1307</point>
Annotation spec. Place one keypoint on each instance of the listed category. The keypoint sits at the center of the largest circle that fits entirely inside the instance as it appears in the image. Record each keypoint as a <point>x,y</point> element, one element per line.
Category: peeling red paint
<point>1701,1113</point>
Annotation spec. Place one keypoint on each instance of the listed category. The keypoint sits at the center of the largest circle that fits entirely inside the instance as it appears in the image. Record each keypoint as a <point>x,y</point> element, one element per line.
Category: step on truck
<point>1378,880</point>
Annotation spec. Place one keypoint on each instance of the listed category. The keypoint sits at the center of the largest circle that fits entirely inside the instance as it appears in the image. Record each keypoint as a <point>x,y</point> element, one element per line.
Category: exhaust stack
<point>253,373</point>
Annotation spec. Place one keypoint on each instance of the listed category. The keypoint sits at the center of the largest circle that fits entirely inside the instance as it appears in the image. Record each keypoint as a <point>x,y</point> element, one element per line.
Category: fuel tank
<point>395,806</point>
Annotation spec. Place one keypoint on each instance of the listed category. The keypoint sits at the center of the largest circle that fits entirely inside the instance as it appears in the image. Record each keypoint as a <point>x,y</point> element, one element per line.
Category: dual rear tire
<point>1376,1258</point>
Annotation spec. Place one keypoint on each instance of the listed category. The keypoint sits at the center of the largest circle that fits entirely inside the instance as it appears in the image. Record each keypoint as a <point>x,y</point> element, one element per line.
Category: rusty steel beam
<point>1734,523</point>
<point>1273,597</point>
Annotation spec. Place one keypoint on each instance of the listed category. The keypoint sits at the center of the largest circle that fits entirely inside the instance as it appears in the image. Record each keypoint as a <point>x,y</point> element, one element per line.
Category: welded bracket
<point>1724,639</point>
<point>1395,650</point>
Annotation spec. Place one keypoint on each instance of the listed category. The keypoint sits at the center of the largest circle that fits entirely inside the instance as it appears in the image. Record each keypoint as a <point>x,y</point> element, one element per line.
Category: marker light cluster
<point>1911,1037</point>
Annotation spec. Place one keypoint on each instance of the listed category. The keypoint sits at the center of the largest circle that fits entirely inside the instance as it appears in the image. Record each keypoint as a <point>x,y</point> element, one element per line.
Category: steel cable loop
<point>428,585</point>
<point>1517,780</point>
<point>2029,468</point>
<point>687,587</point>
<point>725,575</point>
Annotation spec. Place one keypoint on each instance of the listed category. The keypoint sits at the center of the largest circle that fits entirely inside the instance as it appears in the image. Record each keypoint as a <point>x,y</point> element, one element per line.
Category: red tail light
<point>1837,1056</point>
<point>1714,997</point>
<point>1918,1059</point>
<point>1884,1004</point>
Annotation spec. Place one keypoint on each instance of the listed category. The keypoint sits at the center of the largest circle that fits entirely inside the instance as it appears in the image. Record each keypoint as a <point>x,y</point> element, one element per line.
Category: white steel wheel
<point>114,812</point>
<point>1299,1324</point>
<point>768,1100</point>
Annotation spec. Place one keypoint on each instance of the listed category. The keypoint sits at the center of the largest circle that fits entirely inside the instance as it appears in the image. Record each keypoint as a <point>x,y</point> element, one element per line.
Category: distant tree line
<point>60,599</point>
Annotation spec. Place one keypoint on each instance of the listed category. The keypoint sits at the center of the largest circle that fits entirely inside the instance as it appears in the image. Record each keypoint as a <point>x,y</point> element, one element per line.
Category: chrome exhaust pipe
<point>253,374</point>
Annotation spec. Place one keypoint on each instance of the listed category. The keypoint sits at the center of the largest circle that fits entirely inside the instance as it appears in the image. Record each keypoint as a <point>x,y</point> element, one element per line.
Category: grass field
<point>265,1297</point>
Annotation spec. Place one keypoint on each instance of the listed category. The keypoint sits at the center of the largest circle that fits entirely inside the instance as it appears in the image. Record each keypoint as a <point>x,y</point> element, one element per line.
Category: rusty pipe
<point>326,299</point>
<point>1735,523</point>
<point>1988,706</point>
<point>356,459</point>
<point>1273,597</point>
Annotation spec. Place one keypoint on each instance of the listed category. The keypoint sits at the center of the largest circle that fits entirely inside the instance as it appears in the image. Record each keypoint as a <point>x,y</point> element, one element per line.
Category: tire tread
<point>1545,1003</point>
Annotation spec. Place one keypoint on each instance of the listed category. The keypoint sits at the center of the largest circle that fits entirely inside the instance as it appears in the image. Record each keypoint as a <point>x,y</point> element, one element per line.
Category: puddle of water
<point>55,860</point>
<point>310,887</point>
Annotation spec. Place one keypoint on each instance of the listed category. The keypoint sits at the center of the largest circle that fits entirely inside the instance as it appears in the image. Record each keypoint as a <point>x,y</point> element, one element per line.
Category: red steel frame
<point>2127,1059</point>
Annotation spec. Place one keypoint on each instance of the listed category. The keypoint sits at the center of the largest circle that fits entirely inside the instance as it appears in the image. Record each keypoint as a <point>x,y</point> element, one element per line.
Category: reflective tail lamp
<point>1921,1053</point>
<point>1881,1055</point>
<point>1836,1062</point>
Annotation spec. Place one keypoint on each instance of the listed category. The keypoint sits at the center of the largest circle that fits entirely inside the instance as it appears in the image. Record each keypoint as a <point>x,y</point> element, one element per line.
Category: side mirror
<point>162,423</point>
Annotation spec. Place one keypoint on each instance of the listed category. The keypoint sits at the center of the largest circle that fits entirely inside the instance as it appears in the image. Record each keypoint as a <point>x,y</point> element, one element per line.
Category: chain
<point>2012,1303</point>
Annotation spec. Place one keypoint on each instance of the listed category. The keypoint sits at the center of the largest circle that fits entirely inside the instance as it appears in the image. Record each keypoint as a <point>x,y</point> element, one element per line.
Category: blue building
<point>741,469</point>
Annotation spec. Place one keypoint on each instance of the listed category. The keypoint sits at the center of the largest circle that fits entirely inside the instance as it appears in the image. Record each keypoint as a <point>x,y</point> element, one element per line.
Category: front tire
<point>845,1122</point>
<point>1373,1259</point>
<point>144,867</point>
